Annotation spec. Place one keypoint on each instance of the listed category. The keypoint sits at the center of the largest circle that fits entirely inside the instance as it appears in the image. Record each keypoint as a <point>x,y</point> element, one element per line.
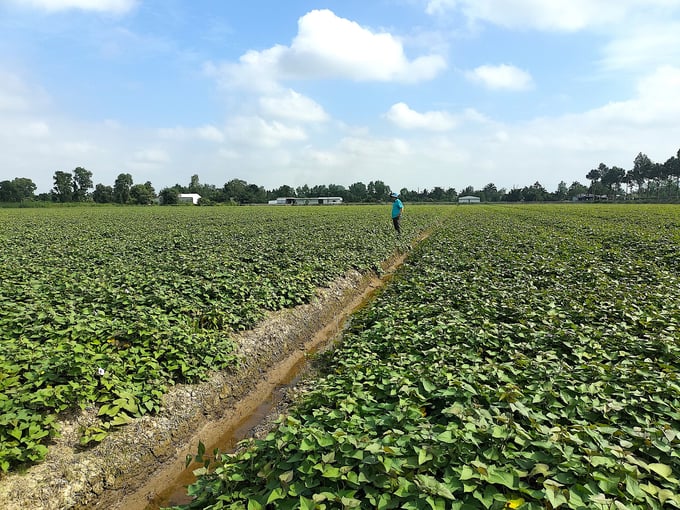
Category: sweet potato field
<point>105,308</point>
<point>523,357</point>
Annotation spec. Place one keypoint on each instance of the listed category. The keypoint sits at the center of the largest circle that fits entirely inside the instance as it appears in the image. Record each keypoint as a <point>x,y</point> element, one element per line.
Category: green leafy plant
<point>523,357</point>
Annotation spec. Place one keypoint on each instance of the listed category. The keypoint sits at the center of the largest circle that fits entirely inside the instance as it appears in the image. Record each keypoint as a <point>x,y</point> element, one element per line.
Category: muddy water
<point>227,442</point>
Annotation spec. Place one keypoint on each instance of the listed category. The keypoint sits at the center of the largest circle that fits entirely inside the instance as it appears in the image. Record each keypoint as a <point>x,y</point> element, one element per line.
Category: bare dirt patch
<point>132,466</point>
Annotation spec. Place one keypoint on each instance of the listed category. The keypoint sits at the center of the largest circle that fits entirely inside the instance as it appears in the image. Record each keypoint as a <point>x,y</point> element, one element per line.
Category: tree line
<point>646,180</point>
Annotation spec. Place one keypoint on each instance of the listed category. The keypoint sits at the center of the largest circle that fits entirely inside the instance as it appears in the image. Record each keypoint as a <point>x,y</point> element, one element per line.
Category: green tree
<point>63,186</point>
<point>121,189</point>
<point>281,192</point>
<point>357,192</point>
<point>142,194</point>
<point>673,171</point>
<point>514,195</point>
<point>169,196</point>
<point>8,192</point>
<point>377,191</point>
<point>82,181</point>
<point>594,176</point>
<point>562,191</point>
<point>534,193</point>
<point>255,195</point>
<point>17,190</point>
<point>194,185</point>
<point>102,194</point>
<point>576,189</point>
<point>612,178</point>
<point>642,170</point>
<point>303,191</point>
<point>337,190</point>
<point>438,194</point>
<point>236,190</point>
<point>491,193</point>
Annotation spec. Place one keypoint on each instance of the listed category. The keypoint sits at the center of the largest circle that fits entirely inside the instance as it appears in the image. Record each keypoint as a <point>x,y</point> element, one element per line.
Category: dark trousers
<point>397,224</point>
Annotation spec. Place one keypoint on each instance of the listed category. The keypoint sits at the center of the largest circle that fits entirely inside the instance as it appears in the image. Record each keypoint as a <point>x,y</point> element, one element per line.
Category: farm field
<point>105,308</point>
<point>523,357</point>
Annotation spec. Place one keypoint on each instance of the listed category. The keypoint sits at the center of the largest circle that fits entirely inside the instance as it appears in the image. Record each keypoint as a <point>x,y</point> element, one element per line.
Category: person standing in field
<point>397,209</point>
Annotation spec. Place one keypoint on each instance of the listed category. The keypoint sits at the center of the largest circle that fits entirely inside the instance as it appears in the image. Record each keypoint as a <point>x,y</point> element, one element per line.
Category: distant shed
<point>188,197</point>
<point>469,199</point>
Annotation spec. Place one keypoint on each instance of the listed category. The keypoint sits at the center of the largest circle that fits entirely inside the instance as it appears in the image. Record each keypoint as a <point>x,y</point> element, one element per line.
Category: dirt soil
<point>134,464</point>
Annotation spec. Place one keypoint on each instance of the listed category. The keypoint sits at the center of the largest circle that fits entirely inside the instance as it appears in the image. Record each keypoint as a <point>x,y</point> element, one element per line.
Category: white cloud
<point>258,132</point>
<point>112,6</point>
<point>146,161</point>
<point>562,15</point>
<point>207,132</point>
<point>17,96</point>
<point>657,102</point>
<point>329,47</point>
<point>643,46</point>
<point>34,129</point>
<point>401,115</point>
<point>291,105</point>
<point>503,76</point>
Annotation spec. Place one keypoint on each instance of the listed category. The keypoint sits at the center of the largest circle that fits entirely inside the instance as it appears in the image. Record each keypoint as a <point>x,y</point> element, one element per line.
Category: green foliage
<point>523,357</point>
<point>105,307</point>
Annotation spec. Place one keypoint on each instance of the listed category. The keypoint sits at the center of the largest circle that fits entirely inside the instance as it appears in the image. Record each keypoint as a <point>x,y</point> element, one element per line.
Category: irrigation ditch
<point>142,465</point>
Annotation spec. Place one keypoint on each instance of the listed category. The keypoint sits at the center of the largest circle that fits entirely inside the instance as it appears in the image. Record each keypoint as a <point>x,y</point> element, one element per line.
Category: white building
<point>468,199</point>
<point>188,197</point>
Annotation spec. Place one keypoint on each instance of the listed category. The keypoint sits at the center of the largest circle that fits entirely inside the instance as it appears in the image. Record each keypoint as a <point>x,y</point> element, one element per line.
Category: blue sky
<point>416,93</point>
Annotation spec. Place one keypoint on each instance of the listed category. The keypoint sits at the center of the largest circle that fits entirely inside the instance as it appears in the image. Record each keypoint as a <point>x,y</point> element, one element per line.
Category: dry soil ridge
<point>127,469</point>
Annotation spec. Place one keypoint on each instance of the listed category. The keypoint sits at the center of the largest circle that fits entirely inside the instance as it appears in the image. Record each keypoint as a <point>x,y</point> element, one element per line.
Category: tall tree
<point>673,170</point>
<point>169,196</point>
<point>490,193</point>
<point>16,190</point>
<point>357,192</point>
<point>194,185</point>
<point>642,170</point>
<point>8,192</point>
<point>302,191</point>
<point>283,191</point>
<point>337,190</point>
<point>576,189</point>
<point>82,181</point>
<point>378,191</point>
<point>102,194</point>
<point>612,178</point>
<point>562,191</point>
<point>121,189</point>
<point>142,194</point>
<point>236,190</point>
<point>63,186</point>
<point>594,176</point>
<point>534,193</point>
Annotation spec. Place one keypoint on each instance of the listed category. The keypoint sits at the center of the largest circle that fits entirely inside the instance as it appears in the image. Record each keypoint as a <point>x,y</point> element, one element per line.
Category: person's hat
<point>394,195</point>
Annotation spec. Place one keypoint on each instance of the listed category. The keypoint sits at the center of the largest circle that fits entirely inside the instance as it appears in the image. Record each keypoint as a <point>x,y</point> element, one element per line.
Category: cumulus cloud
<point>401,115</point>
<point>657,102</point>
<point>293,106</point>
<point>503,76</point>
<point>258,132</point>
<point>112,6</point>
<point>329,47</point>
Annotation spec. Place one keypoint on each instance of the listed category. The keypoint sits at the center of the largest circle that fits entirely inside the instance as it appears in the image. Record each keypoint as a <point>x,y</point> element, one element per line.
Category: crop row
<point>524,357</point>
<point>105,308</point>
